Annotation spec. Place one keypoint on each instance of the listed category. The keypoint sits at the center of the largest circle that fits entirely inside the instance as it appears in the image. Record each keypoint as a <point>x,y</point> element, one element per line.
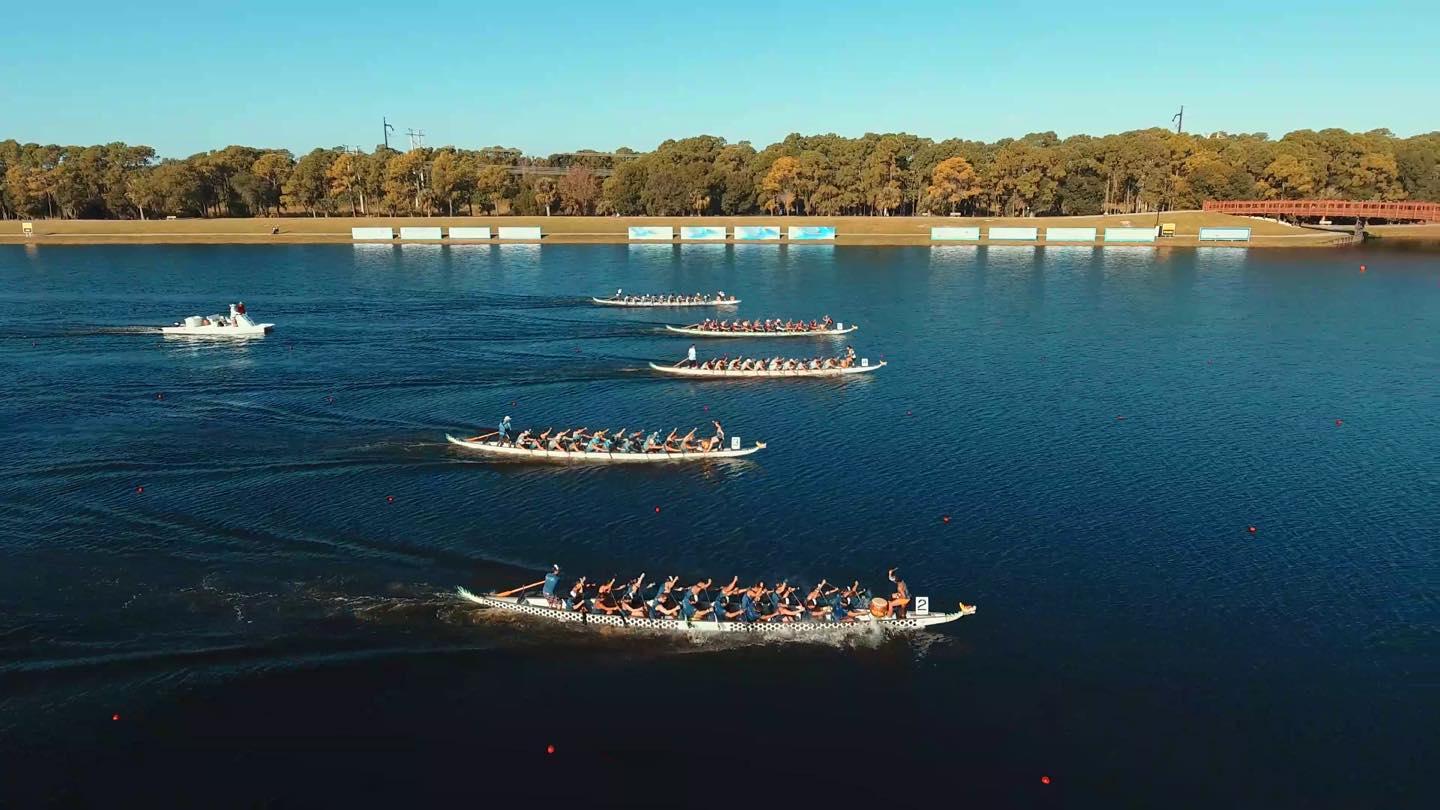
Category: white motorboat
<point>236,324</point>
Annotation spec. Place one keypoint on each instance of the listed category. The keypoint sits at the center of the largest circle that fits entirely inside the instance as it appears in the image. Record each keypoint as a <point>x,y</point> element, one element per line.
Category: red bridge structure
<point>1329,209</point>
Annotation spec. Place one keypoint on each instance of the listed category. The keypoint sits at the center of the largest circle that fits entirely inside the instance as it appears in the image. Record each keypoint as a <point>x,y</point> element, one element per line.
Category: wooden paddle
<point>521,588</point>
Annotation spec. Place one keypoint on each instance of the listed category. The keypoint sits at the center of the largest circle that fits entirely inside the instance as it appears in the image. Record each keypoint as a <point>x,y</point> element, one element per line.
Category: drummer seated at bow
<point>899,603</point>
<point>714,442</point>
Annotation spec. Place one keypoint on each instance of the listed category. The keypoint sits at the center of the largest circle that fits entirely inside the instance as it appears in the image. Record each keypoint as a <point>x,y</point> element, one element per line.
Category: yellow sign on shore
<point>27,228</point>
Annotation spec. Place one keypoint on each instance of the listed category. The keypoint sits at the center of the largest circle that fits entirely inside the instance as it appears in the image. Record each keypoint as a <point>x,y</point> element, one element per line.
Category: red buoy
<point>1250,529</point>
<point>550,749</point>
<point>657,510</point>
<point>1362,268</point>
<point>1339,422</point>
<point>1044,780</point>
<point>389,498</point>
<point>115,717</point>
<point>139,490</point>
<point>945,518</point>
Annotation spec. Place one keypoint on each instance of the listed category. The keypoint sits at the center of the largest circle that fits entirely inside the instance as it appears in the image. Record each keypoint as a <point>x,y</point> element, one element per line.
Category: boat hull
<point>538,608</point>
<point>737,374</point>
<point>712,333</point>
<point>564,457</point>
<point>606,302</point>
<point>258,330</point>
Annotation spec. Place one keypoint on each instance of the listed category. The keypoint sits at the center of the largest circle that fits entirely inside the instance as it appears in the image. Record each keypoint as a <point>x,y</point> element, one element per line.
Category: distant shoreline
<point>876,231</point>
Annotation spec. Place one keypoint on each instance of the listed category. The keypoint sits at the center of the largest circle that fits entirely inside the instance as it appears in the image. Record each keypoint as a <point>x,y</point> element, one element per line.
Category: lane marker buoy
<point>1044,780</point>
<point>657,510</point>
<point>139,490</point>
<point>1250,529</point>
<point>389,498</point>
<point>1339,422</point>
<point>945,518</point>
<point>159,396</point>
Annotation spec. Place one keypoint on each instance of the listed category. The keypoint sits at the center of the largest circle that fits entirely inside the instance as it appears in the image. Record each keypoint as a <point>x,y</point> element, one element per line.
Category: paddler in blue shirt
<point>504,430</point>
<point>749,610</point>
<point>552,581</point>
<point>690,600</point>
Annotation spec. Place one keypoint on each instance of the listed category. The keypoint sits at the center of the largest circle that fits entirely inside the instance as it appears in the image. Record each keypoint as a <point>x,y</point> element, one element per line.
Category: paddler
<point>690,600</point>
<point>663,606</point>
<point>504,430</point>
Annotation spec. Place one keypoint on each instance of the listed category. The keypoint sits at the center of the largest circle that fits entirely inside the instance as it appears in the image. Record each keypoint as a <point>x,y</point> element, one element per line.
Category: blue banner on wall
<point>801,233</point>
<point>747,232</point>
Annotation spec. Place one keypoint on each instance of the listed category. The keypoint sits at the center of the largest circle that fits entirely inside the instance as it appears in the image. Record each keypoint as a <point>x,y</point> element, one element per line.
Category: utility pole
<point>389,128</point>
<point>417,138</point>
<point>1179,119</point>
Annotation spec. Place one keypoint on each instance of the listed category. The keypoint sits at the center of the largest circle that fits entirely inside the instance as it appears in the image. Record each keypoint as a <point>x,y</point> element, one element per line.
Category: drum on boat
<point>879,607</point>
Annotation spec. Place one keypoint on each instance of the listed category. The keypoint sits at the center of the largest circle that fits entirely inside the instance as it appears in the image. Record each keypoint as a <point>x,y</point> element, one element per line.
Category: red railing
<point>1412,211</point>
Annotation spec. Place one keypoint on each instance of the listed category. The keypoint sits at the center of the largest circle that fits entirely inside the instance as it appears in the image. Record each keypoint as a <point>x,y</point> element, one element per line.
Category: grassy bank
<point>579,230</point>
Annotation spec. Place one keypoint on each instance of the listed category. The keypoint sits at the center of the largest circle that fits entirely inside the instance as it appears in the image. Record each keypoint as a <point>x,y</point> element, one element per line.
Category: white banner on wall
<point>1069,234</point>
<point>1224,234</point>
<point>372,233</point>
<point>420,233</point>
<point>469,233</point>
<point>1014,234</point>
<point>513,232</point>
<point>955,234</point>
<point>1129,234</point>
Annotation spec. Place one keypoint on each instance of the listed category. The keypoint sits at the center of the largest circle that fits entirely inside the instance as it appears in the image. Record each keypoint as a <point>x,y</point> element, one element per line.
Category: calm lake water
<point>1100,428</point>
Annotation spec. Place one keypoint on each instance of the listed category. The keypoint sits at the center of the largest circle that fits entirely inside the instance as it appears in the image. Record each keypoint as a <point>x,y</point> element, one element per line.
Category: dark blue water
<point>1100,427</point>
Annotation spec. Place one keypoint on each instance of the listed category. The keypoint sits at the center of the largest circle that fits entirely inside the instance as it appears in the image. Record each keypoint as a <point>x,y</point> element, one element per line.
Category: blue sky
<point>563,75</point>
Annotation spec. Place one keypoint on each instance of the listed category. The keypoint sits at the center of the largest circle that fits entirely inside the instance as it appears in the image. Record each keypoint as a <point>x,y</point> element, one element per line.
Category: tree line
<point>829,175</point>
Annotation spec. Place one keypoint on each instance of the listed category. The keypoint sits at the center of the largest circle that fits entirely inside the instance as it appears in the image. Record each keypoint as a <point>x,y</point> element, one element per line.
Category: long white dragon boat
<point>538,608</point>
<point>611,302</point>
<point>596,457</point>
<point>717,333</point>
<point>686,371</point>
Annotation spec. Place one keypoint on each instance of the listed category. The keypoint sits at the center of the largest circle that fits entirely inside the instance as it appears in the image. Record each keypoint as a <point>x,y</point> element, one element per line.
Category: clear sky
<point>563,75</point>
